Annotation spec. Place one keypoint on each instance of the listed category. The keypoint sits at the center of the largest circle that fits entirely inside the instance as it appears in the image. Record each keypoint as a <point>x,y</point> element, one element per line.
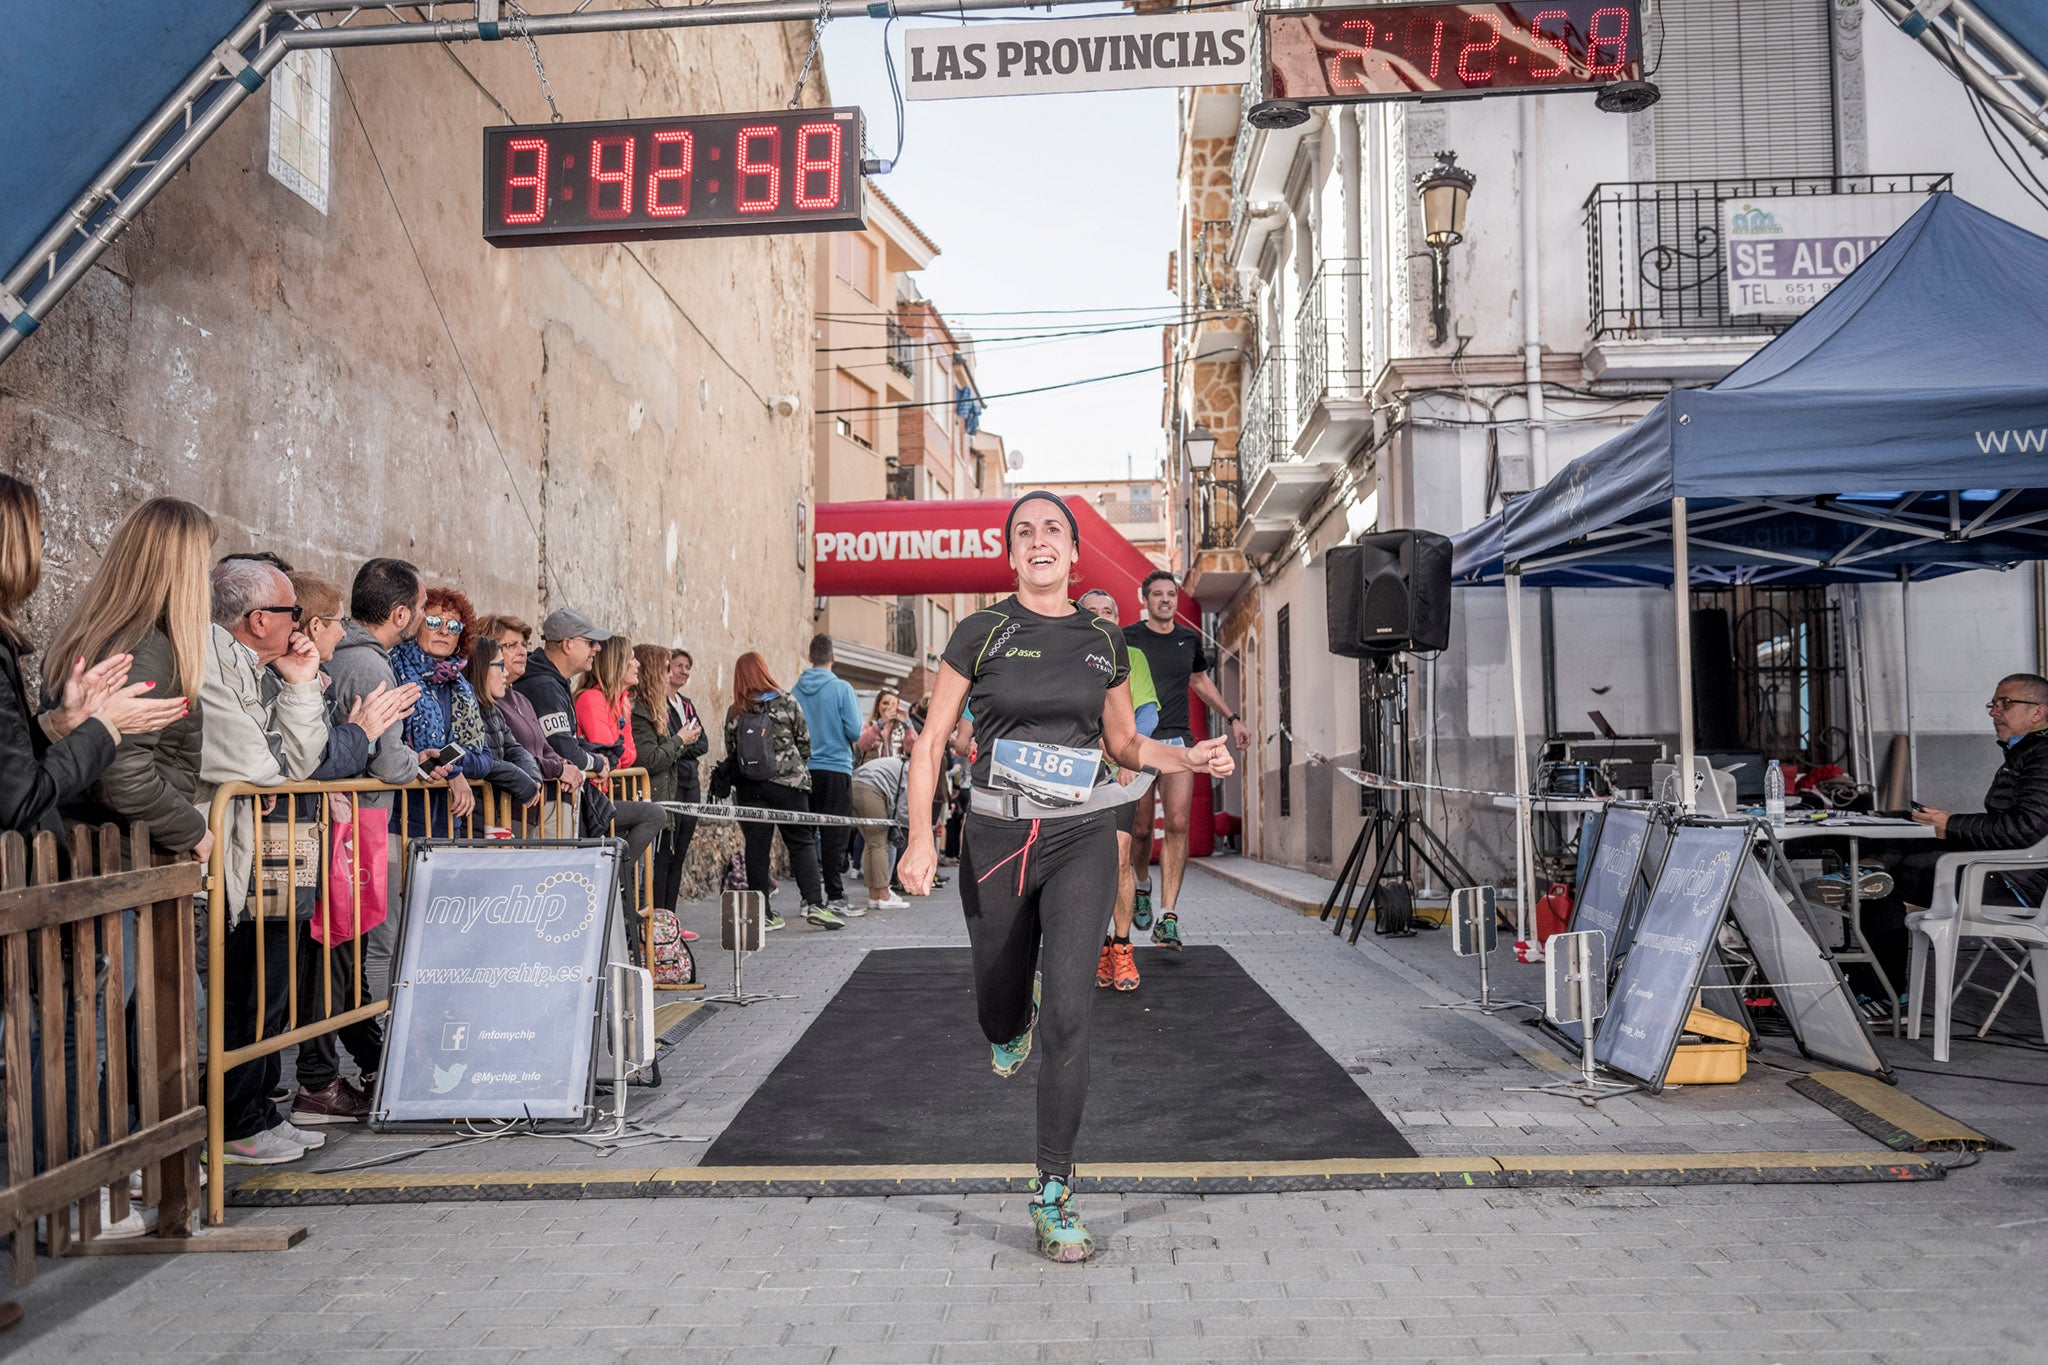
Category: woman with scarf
<point>448,711</point>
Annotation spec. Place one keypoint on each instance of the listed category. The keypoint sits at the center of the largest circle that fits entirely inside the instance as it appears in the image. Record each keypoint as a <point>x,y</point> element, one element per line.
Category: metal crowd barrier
<point>289,879</point>
<point>102,1079</point>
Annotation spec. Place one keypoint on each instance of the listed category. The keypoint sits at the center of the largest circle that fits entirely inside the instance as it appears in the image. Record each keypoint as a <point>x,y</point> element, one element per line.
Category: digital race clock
<point>717,175</point>
<point>1381,52</point>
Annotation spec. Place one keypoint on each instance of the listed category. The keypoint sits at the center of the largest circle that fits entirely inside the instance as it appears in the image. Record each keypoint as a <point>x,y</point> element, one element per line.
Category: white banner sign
<point>1053,58</point>
<point>1785,254</point>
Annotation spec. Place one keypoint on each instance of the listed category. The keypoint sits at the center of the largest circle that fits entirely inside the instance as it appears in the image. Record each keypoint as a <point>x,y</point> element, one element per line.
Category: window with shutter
<point>1748,89</point>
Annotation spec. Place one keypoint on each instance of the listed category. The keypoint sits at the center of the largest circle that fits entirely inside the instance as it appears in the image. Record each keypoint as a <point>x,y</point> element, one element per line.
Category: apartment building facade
<point>897,417</point>
<point>1587,284</point>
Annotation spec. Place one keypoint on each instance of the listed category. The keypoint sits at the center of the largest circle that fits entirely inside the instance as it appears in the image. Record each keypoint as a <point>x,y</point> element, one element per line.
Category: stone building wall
<point>555,426</point>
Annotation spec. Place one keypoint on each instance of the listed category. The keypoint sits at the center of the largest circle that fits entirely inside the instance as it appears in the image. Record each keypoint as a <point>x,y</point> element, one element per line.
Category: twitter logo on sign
<point>446,1078</point>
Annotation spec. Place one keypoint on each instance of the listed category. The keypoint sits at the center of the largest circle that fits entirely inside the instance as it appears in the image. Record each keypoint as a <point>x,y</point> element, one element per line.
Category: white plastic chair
<point>1959,912</point>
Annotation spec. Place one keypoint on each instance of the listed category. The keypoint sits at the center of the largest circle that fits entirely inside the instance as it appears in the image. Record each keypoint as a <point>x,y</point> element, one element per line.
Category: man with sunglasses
<point>265,736</point>
<point>2015,815</point>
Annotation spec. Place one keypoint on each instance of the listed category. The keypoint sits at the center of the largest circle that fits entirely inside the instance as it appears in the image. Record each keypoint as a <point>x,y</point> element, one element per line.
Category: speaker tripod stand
<point>1394,837</point>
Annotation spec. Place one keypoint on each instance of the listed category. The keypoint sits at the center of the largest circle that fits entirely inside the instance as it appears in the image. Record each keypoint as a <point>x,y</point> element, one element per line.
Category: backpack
<point>754,743</point>
<point>674,966</point>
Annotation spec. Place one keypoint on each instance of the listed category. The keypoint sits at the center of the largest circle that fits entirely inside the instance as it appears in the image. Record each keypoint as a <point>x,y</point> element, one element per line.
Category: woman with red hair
<point>768,752</point>
<point>448,711</point>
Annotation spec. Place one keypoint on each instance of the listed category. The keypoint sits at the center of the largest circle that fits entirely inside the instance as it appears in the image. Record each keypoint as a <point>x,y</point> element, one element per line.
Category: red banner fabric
<point>903,547</point>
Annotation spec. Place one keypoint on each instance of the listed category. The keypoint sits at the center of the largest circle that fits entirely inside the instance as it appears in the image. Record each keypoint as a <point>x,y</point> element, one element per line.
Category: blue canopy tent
<point>1897,431</point>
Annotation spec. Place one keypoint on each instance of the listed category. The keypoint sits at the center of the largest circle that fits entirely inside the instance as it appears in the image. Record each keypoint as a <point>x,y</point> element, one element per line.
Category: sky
<point>1041,202</point>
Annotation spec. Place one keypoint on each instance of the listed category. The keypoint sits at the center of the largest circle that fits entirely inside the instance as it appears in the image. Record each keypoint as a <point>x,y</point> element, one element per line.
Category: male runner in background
<point>1117,967</point>
<point>1178,663</point>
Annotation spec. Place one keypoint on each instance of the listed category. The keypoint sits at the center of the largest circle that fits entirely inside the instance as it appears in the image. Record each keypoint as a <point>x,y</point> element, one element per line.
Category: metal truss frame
<point>1933,517</point>
<point>2011,80</point>
<point>274,29</point>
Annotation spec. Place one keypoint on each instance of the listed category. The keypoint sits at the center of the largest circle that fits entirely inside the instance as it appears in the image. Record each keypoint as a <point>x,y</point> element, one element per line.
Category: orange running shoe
<point>1123,967</point>
<point>1105,967</point>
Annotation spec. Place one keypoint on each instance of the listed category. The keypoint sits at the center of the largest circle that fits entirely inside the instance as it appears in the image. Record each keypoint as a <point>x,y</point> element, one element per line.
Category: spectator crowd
<point>178,673</point>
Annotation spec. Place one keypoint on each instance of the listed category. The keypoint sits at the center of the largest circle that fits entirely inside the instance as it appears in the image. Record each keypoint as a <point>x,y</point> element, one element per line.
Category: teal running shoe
<point>1166,933</point>
<point>1007,1057</point>
<point>1141,909</point>
<point>1058,1222</point>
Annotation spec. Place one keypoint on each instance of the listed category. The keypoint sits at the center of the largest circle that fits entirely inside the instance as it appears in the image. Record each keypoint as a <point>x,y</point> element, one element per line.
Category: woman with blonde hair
<point>57,756</point>
<point>150,599</point>
<point>658,746</point>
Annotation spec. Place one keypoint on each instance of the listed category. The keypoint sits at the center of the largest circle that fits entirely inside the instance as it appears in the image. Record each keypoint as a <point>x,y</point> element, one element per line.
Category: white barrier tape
<point>762,815</point>
<point>1365,779</point>
<point>1313,755</point>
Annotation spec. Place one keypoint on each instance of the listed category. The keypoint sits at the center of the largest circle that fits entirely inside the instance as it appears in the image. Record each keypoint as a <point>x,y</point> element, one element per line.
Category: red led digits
<point>1436,44</point>
<point>668,185</point>
<point>515,182</point>
<point>1557,43</point>
<point>1485,49</point>
<point>1340,81</point>
<point>611,191</point>
<point>746,168</point>
<point>826,165</point>
<point>1595,40</point>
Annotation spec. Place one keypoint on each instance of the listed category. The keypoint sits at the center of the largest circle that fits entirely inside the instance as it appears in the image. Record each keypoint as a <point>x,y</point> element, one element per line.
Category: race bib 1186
<point>1046,773</point>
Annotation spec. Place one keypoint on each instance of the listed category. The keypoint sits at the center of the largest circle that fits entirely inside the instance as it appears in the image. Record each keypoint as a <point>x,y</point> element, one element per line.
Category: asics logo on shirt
<point>1023,654</point>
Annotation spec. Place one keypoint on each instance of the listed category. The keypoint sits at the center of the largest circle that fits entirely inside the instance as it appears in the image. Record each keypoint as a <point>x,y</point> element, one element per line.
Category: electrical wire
<point>986,398</point>
<point>433,297</point>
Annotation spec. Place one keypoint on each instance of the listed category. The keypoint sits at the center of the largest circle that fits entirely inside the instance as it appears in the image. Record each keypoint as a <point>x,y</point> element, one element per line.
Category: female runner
<point>1038,863</point>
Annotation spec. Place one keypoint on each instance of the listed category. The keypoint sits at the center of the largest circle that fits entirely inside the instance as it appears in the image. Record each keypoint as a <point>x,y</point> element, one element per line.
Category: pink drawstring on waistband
<point>1024,853</point>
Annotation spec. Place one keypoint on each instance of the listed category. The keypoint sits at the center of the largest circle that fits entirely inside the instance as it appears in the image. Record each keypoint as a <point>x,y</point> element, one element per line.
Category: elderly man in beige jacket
<point>257,732</point>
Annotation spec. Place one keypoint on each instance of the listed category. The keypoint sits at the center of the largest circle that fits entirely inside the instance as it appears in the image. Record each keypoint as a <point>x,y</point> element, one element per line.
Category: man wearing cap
<point>570,641</point>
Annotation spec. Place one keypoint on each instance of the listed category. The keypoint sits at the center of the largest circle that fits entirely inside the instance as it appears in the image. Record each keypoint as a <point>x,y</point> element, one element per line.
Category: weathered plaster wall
<point>557,426</point>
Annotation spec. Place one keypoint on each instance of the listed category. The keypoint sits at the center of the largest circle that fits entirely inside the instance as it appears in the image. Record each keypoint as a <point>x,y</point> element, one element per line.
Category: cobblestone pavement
<point>1949,1270</point>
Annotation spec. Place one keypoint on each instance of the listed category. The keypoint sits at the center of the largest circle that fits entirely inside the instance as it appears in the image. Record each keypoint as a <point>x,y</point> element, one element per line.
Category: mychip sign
<point>496,982</point>
<point>1061,57</point>
<point>1783,255</point>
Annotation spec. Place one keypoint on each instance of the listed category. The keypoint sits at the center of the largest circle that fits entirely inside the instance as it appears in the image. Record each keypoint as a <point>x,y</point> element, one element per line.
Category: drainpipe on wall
<point>1532,312</point>
<point>1349,163</point>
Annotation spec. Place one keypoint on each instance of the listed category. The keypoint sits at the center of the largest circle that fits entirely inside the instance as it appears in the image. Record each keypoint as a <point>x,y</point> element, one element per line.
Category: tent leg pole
<point>1906,683</point>
<point>1524,873</point>
<point>1681,608</point>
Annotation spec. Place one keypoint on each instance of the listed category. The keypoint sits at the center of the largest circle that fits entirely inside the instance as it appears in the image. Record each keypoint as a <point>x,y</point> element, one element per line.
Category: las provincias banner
<point>901,547</point>
<point>905,548</point>
<point>1058,57</point>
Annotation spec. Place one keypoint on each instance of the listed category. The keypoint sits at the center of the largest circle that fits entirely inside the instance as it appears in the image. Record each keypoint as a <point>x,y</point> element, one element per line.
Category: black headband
<point>1072,526</point>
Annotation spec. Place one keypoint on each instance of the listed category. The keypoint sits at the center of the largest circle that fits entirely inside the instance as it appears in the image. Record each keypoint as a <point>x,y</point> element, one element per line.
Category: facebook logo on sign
<point>454,1037</point>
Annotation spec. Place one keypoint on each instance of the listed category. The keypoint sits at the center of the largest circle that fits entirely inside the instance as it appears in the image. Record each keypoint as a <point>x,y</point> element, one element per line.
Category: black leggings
<point>1037,895</point>
<point>801,841</point>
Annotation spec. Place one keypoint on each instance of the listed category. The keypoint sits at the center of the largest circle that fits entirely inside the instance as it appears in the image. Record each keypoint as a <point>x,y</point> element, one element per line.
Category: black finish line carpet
<point>1199,1064</point>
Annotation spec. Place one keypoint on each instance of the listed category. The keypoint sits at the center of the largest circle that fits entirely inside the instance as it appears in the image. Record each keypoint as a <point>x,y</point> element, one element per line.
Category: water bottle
<point>1774,793</point>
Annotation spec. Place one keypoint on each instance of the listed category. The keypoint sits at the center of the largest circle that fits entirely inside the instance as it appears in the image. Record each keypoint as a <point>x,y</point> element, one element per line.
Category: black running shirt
<point>1036,678</point>
<point>1175,658</point>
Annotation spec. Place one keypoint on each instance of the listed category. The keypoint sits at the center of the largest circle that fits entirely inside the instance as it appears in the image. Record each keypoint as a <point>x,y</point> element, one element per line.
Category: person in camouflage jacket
<point>756,692</point>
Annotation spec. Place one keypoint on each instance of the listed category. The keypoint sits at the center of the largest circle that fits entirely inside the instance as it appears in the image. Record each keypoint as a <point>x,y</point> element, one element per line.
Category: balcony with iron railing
<point>1657,276</point>
<point>902,349</point>
<point>1331,340</point>
<point>900,626</point>
<point>1266,433</point>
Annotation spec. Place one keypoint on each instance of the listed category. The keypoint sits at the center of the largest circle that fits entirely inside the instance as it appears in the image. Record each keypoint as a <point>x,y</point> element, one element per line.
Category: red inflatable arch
<point>904,547</point>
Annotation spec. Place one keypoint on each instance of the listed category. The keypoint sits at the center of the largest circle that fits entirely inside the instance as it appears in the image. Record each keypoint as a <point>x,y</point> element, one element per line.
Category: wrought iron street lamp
<point>1444,190</point>
<point>1200,445</point>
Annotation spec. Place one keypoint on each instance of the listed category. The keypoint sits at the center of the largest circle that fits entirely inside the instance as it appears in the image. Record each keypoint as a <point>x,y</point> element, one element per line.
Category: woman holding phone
<point>447,714</point>
<point>1048,685</point>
